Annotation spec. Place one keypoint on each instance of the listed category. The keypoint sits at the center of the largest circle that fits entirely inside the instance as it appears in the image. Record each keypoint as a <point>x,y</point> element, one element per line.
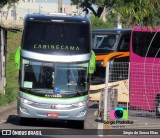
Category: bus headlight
<point>83,103</point>
<point>25,101</point>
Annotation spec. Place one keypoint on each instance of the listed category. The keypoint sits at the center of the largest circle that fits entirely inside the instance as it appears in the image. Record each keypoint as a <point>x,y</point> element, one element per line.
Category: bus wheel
<point>157,107</point>
<point>27,121</point>
<point>76,124</point>
<point>23,120</point>
<point>81,124</point>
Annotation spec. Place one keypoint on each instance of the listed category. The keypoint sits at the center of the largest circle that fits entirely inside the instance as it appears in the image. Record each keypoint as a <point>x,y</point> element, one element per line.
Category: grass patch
<point>11,89</point>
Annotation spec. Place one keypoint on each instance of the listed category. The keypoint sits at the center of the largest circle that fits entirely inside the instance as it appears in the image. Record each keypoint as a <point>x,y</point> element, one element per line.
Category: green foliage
<point>8,97</point>
<point>11,90</point>
<point>88,5</point>
<point>112,19</point>
<point>134,12</point>
<point>90,2</point>
<point>4,2</point>
<point>131,12</point>
<point>99,23</point>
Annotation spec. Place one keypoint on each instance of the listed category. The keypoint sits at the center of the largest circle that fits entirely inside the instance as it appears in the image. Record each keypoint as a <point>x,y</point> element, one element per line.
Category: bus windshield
<point>104,41</point>
<point>51,78</point>
<point>56,37</point>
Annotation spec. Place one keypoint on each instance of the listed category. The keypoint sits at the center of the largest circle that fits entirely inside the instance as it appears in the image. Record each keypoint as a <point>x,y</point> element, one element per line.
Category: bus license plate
<point>52,114</point>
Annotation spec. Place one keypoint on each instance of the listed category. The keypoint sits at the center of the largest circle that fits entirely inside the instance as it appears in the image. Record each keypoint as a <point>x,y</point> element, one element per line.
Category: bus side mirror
<point>17,58</point>
<point>92,63</point>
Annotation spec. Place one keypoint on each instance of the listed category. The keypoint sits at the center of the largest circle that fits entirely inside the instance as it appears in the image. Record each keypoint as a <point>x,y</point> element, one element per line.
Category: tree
<point>134,12</point>
<point>10,3</point>
<point>4,2</point>
<point>89,5</point>
<point>99,23</point>
<point>130,12</point>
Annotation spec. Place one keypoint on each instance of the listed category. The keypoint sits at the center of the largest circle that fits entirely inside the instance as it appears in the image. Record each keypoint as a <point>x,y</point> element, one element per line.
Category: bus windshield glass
<point>51,78</point>
<point>105,41</point>
<point>58,38</point>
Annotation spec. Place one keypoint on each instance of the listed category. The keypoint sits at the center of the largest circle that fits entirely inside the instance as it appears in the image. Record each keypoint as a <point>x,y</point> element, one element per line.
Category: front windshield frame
<point>54,78</point>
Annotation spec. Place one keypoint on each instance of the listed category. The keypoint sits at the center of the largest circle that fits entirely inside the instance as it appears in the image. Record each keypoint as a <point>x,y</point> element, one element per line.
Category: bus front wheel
<point>27,121</point>
<point>157,106</point>
<point>76,123</point>
<point>23,120</point>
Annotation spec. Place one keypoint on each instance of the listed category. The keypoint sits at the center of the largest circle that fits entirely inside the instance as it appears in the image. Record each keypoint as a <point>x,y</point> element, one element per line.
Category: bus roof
<point>111,30</point>
<point>49,18</point>
<point>146,29</point>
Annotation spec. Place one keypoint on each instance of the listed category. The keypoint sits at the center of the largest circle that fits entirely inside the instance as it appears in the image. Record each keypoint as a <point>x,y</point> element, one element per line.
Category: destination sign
<point>57,49</point>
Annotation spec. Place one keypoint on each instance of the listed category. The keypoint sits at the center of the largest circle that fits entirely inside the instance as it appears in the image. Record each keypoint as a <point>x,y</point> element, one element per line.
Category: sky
<point>55,1</point>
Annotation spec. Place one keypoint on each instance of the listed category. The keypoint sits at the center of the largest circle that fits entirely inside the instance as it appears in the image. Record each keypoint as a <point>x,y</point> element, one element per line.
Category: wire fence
<point>131,98</point>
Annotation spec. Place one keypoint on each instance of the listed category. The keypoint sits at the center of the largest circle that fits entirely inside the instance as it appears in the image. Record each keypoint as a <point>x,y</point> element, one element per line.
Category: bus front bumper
<point>30,111</point>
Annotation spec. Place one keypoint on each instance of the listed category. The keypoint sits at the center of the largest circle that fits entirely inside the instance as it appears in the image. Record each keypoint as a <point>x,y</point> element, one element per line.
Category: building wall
<point>23,8</point>
<point>71,9</point>
<point>26,0</point>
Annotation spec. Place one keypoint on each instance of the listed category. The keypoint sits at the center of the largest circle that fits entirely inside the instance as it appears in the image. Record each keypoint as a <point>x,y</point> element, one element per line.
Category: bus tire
<point>76,123</point>
<point>157,106</point>
<point>27,121</point>
<point>23,120</point>
<point>81,124</point>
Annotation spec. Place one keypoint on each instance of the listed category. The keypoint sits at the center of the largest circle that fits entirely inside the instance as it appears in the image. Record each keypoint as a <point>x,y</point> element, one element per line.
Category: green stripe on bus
<point>53,98</point>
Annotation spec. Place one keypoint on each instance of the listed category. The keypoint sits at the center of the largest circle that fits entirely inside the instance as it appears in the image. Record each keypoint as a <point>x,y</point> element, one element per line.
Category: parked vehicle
<point>110,46</point>
<point>145,69</point>
<point>55,60</point>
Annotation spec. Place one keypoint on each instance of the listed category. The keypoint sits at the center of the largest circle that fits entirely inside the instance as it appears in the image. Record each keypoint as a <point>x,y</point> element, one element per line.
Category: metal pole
<point>39,8</point>
<point>128,87</point>
<point>106,92</point>
<point>3,59</point>
<point>1,17</point>
<point>119,24</point>
<point>14,17</point>
<point>1,53</point>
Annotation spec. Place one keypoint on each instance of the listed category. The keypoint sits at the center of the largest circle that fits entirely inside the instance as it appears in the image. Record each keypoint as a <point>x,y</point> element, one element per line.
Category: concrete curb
<point>8,108</point>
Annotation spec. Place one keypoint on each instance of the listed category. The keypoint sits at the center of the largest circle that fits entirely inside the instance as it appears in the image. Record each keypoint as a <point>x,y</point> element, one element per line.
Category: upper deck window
<point>56,37</point>
<point>146,44</point>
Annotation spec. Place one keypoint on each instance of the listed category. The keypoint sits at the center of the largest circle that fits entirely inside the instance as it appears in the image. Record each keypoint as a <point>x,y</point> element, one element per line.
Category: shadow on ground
<point>15,120</point>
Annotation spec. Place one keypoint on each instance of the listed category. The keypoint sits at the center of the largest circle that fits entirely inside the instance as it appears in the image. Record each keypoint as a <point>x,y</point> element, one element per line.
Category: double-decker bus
<point>55,63</point>
<point>110,46</point>
<point>145,69</point>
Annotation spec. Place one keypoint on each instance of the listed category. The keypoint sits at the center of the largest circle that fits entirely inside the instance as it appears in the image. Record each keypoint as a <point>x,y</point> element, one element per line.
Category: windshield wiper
<point>78,93</point>
<point>25,89</point>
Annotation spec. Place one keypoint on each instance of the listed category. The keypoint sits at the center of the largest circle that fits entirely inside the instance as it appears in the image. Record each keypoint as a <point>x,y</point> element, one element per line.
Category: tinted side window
<point>125,43</point>
<point>105,41</point>
<point>56,38</point>
<point>146,44</point>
